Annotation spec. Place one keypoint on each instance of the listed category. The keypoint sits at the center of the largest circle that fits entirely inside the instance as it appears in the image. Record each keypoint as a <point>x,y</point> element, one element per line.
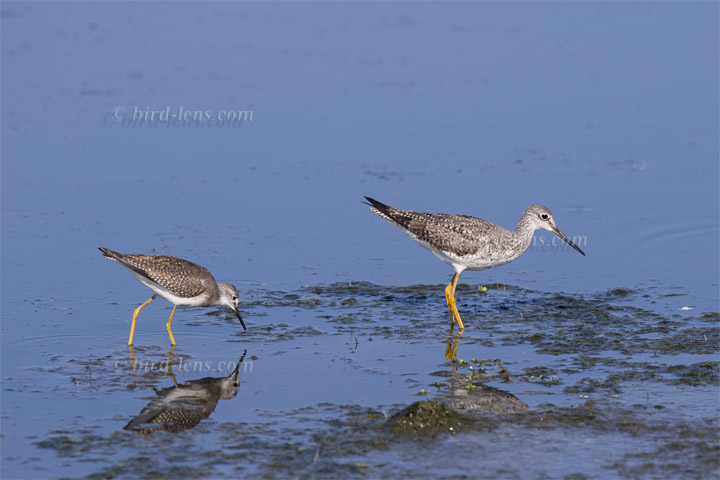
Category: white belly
<point>470,262</point>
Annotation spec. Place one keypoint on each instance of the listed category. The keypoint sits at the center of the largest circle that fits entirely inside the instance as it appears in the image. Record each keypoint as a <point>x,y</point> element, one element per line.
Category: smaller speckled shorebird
<point>469,243</point>
<point>178,281</point>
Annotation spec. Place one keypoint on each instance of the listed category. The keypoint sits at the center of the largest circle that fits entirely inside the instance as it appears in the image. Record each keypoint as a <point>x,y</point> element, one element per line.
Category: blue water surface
<point>606,112</point>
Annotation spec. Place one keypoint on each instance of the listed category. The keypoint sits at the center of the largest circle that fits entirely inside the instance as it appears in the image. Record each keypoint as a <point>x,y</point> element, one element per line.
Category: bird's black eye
<point>234,298</point>
<point>544,216</point>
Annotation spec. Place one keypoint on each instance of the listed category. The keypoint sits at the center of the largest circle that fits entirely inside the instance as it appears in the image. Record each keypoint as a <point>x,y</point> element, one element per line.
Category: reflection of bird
<point>469,243</point>
<point>485,398</point>
<point>178,281</point>
<point>181,407</point>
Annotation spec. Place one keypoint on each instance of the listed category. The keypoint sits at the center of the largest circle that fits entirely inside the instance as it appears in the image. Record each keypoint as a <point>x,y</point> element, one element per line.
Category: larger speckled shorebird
<point>469,243</point>
<point>178,281</point>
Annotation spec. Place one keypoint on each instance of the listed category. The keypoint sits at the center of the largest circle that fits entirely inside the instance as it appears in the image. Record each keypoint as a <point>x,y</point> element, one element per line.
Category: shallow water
<point>606,113</point>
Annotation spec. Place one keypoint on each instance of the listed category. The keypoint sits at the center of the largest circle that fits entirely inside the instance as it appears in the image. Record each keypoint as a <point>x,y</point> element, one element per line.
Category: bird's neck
<point>522,235</point>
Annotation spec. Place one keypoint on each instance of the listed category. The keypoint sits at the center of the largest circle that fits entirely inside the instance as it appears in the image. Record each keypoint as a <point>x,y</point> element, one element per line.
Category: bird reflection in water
<point>182,406</point>
<point>452,346</point>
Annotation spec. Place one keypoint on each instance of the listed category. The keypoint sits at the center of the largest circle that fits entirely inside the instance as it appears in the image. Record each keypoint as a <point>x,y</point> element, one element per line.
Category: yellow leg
<point>172,339</point>
<point>135,314</point>
<point>448,299</point>
<point>170,372</point>
<point>451,348</point>
<point>451,303</point>
<point>454,303</point>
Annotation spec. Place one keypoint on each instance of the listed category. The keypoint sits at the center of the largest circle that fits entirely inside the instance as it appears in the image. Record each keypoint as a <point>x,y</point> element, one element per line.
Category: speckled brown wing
<point>180,419</point>
<point>458,234</point>
<point>179,276</point>
<point>173,415</point>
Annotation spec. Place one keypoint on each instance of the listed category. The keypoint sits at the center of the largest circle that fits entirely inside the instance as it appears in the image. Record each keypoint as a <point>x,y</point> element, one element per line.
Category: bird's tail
<point>379,206</point>
<point>111,254</point>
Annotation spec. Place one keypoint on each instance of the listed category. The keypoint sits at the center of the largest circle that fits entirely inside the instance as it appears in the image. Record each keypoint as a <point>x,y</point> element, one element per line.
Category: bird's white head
<point>229,296</point>
<point>538,217</point>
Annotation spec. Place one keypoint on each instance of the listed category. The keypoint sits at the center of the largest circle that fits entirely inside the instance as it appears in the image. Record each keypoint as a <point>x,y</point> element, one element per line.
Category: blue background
<point>606,112</point>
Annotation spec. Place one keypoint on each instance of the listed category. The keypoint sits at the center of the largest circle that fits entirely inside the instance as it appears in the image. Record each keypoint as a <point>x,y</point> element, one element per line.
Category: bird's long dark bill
<point>567,240</point>
<point>243,323</point>
<point>237,367</point>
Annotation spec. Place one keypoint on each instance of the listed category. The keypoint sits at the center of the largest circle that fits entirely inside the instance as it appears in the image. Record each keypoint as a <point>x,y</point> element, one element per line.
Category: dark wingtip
<point>377,205</point>
<point>106,251</point>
